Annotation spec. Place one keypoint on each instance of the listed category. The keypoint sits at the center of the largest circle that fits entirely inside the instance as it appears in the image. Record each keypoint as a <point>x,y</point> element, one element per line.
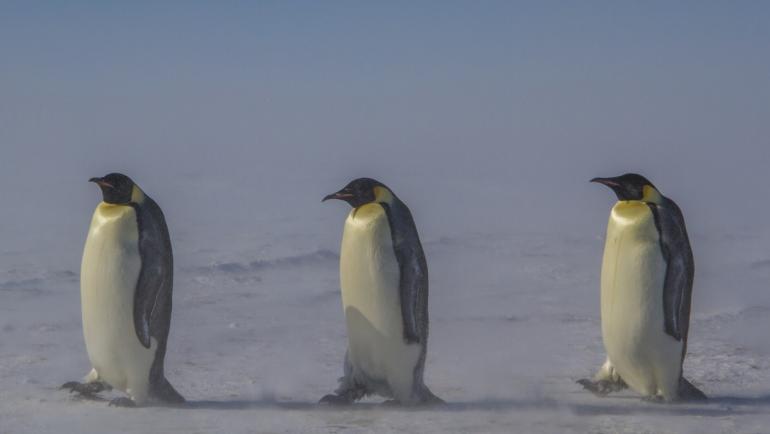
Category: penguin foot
<point>86,389</point>
<point>122,402</point>
<point>345,395</point>
<point>337,400</point>
<point>654,399</point>
<point>602,388</point>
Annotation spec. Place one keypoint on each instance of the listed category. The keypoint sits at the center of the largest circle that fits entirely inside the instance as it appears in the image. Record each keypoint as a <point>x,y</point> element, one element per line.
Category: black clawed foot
<point>71,385</point>
<point>591,386</point>
<point>654,399</point>
<point>86,389</point>
<point>602,388</point>
<point>335,400</point>
<point>122,402</point>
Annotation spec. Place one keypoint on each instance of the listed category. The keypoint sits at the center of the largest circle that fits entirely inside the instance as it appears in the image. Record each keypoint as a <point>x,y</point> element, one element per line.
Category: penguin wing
<point>413,272</point>
<point>152,298</point>
<point>680,268</point>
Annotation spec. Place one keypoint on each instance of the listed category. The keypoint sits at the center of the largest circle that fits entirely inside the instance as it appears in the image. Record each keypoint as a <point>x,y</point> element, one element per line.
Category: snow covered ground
<point>257,339</point>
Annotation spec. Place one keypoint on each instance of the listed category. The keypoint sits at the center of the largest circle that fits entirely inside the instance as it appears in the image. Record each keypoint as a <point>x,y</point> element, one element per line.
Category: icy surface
<point>257,339</point>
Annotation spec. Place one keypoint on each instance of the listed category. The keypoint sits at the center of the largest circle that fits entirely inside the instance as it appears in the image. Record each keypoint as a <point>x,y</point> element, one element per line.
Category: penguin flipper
<point>413,271</point>
<point>413,285</point>
<point>152,297</point>
<point>688,391</point>
<point>680,269</point>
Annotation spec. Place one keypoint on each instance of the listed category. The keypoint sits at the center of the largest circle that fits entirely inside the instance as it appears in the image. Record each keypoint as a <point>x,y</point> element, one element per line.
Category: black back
<point>413,271</point>
<point>152,297</point>
<point>680,269</point>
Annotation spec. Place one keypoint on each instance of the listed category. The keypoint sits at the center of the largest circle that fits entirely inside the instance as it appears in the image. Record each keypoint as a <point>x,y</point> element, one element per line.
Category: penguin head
<point>117,188</point>
<point>362,191</point>
<point>631,186</point>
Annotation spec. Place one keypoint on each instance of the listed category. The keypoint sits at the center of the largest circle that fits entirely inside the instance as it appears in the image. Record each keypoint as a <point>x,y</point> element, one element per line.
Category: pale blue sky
<point>496,112</point>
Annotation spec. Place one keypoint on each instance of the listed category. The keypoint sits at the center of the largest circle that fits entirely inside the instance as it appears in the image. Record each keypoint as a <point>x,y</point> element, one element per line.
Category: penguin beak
<point>101,182</point>
<point>341,195</point>
<point>609,182</point>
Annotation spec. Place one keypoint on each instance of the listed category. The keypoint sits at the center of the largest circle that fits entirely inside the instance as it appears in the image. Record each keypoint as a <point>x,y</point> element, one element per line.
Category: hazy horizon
<point>482,117</point>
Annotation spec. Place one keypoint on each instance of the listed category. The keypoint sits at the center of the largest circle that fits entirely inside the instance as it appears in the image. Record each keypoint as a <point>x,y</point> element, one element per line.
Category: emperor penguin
<point>646,290</point>
<point>125,287</point>
<point>384,285</point>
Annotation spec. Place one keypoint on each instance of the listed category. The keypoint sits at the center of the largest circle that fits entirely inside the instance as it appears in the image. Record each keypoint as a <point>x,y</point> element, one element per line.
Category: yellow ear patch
<point>137,195</point>
<point>650,194</point>
<point>382,195</point>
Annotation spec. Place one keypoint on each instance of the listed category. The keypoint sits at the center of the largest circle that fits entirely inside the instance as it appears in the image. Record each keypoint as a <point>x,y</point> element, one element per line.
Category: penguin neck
<point>649,196</point>
<point>111,212</point>
<point>367,212</point>
<point>626,212</point>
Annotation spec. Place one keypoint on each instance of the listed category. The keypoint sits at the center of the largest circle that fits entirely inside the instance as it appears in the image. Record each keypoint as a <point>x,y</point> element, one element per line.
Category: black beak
<point>341,195</point>
<point>101,182</point>
<point>609,182</point>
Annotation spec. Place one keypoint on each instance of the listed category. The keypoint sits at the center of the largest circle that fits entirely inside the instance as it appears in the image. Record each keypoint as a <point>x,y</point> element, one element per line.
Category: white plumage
<point>632,281</point>
<point>108,277</point>
<point>369,275</point>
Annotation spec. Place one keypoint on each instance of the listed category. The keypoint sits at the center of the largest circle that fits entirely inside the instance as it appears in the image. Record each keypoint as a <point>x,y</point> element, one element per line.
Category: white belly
<point>633,273</point>
<point>369,277</point>
<point>108,276</point>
